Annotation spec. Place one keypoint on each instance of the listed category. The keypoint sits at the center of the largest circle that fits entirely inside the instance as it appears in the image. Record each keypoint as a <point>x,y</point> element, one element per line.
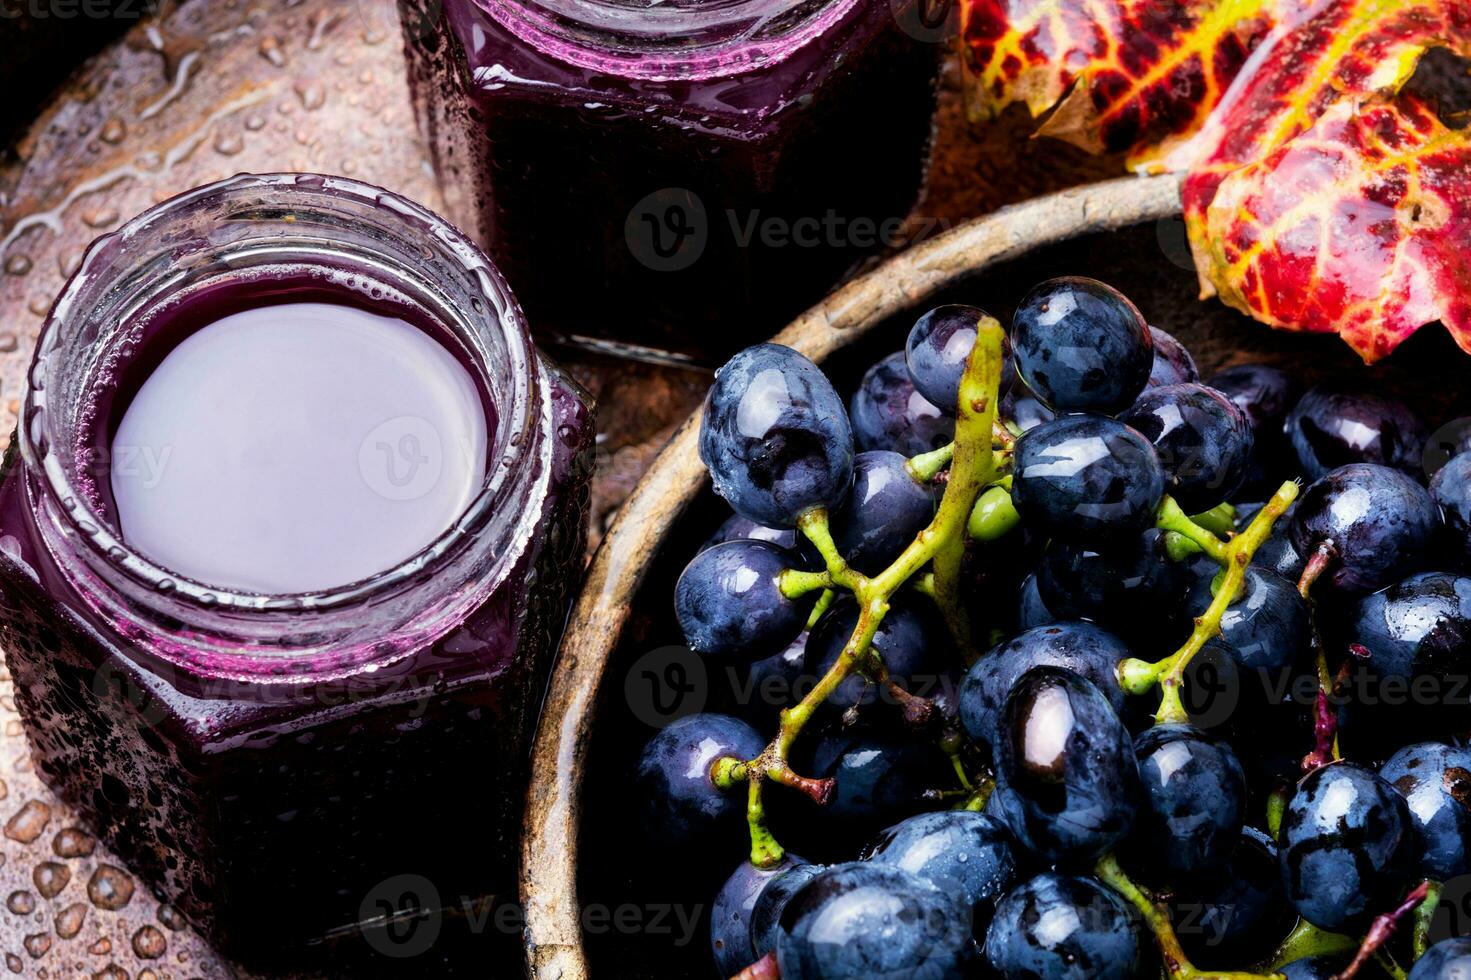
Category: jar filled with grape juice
<point>685,175</point>
<point>288,532</point>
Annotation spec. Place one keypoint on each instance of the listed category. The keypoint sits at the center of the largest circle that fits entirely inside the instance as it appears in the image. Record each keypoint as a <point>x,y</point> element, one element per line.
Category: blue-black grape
<point>1086,479</point>
<point>1173,364</point>
<point>1032,611</point>
<point>1332,427</point>
<point>1023,408</point>
<point>1081,346</point>
<point>910,639</point>
<point>1345,846</point>
<point>964,854</point>
<point>766,913</point>
<point>682,803</point>
<point>1381,524</point>
<point>1263,392</point>
<point>731,914</point>
<point>729,601</point>
<point>1435,780</point>
<point>1419,630</point>
<point>1451,489</point>
<point>1082,648</point>
<point>1068,777</point>
<point>879,779</point>
<point>1064,928</point>
<point>1129,585</point>
<point>939,344</point>
<point>1204,442</point>
<point>775,437</point>
<point>889,412</point>
<point>738,528</point>
<point>1266,627</point>
<point>1314,968</point>
<point>1449,959</point>
<point>773,683</point>
<point>884,510</point>
<point>1236,914</point>
<point>1194,801</point>
<point>860,921</point>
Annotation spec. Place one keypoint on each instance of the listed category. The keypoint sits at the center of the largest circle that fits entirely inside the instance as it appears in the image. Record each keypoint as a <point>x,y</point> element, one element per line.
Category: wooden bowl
<point>581,858</point>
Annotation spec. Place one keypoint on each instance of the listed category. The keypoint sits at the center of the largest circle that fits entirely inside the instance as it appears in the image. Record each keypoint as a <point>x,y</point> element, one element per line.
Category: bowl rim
<point>552,937</point>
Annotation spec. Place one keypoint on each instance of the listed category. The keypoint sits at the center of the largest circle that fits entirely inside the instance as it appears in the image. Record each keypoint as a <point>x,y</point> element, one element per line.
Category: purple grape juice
<point>685,175</point>
<point>287,535</point>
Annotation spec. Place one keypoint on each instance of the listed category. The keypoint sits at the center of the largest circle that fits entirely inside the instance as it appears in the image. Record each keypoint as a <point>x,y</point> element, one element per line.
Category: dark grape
<point>940,343</point>
<point>1278,555</point>
<point>731,914</point>
<point>1381,524</point>
<point>1449,959</point>
<point>1345,846</point>
<point>1082,648</point>
<point>1081,346</point>
<point>1194,801</point>
<point>775,437</point>
<point>1031,610</point>
<point>729,601</point>
<point>966,855</point>
<point>860,921</point>
<point>1451,489</point>
<point>910,639</point>
<point>879,779</point>
<point>1086,479</point>
<point>1332,427</point>
<point>1173,364</point>
<point>1266,627</point>
<point>1064,928</point>
<point>1314,968</point>
<point>1419,628</point>
<point>1022,408</point>
<point>738,528</point>
<point>1435,780</point>
<point>1204,442</point>
<point>766,913</point>
<point>889,412</point>
<point>1237,914</point>
<point>1069,781</point>
<point>1125,586</point>
<point>682,803</point>
<point>773,683</point>
<point>1263,392</point>
<point>884,510</point>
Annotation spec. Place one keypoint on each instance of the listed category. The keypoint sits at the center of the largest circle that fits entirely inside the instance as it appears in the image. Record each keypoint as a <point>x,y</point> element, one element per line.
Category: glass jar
<point>268,762</point>
<point>685,175</point>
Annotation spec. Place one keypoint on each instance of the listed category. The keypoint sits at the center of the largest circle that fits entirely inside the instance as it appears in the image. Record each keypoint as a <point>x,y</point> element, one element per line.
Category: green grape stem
<point>1424,916</point>
<point>1177,964</point>
<point>973,467</point>
<point>1138,677</point>
<point>1306,941</point>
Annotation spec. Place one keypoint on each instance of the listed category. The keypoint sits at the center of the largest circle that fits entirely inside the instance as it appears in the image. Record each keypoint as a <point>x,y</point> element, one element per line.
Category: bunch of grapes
<point>1160,742</point>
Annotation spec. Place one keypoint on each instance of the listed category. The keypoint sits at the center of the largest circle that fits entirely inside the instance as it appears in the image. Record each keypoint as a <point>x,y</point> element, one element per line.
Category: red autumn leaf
<point>1128,73</point>
<point>1361,226</point>
<point>1337,49</point>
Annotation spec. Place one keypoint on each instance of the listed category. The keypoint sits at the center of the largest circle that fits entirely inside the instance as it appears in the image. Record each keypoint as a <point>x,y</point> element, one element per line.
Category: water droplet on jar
<point>229,144</point>
<point>113,131</point>
<point>50,878</point>
<point>73,842</point>
<point>29,822</point>
<point>149,943</point>
<point>271,50</point>
<point>38,944</point>
<point>18,265</point>
<point>69,920</point>
<point>110,887</point>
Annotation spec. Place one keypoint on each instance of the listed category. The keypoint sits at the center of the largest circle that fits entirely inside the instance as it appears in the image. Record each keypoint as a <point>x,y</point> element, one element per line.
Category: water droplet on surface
<point>113,131</point>
<point>311,93</point>
<point>51,878</point>
<point>271,50</point>
<point>8,342</point>
<point>69,920</point>
<point>69,262</point>
<point>229,144</point>
<point>39,305</point>
<point>101,947</point>
<point>170,917</point>
<point>110,887</point>
<point>38,944</point>
<point>73,842</point>
<point>255,122</point>
<point>101,218</point>
<point>149,943</point>
<point>21,902</point>
<point>13,963</point>
<point>18,265</point>
<point>29,822</point>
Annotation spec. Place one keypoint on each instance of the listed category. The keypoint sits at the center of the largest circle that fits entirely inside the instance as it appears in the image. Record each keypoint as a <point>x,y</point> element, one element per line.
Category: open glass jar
<point>248,752</point>
<point>684,175</point>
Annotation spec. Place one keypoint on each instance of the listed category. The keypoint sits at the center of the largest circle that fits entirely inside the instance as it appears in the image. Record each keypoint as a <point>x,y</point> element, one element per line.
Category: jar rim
<point>661,42</point>
<point>496,314</point>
